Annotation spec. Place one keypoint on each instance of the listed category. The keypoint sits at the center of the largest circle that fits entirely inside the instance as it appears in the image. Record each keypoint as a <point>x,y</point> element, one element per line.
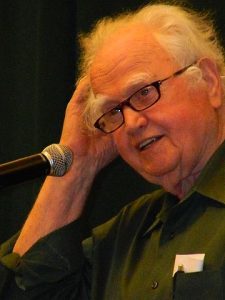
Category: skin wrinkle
<point>100,69</point>
<point>104,103</point>
<point>131,85</point>
<point>207,140</point>
<point>176,160</point>
<point>128,89</point>
<point>100,103</point>
<point>185,179</point>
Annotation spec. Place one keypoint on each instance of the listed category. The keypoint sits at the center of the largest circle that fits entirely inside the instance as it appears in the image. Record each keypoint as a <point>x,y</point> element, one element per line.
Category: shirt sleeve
<point>55,261</point>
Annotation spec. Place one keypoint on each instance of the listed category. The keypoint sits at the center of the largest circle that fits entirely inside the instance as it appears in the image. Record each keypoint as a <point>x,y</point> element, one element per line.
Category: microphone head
<point>60,158</point>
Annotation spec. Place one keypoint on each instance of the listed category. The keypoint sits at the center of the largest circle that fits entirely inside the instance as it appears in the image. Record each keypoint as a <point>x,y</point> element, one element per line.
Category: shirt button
<point>172,235</point>
<point>154,284</point>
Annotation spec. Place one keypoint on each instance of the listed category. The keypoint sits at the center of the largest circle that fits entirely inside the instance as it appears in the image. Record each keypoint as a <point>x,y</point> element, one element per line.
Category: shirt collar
<point>169,201</point>
<point>211,183</point>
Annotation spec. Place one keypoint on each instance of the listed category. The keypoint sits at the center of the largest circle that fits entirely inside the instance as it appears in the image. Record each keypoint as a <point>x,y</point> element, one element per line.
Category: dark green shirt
<point>132,256</point>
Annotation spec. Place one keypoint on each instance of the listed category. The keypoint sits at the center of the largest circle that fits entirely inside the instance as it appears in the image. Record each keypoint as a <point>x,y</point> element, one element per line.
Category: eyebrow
<point>101,101</point>
<point>134,83</point>
<point>138,79</point>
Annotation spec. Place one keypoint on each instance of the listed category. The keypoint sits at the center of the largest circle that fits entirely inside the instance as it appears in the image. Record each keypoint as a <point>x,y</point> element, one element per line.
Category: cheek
<point>121,140</point>
<point>184,113</point>
<point>126,148</point>
<point>190,127</point>
<point>184,121</point>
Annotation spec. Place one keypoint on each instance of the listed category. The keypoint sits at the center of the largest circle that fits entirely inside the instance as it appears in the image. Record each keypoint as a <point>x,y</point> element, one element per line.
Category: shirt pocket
<point>206,285</point>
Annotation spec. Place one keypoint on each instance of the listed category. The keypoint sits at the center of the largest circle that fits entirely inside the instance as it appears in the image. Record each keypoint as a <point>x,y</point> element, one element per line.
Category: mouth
<point>146,143</point>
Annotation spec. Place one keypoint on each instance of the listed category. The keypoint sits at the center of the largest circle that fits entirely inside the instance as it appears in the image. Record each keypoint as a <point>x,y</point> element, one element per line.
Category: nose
<point>134,120</point>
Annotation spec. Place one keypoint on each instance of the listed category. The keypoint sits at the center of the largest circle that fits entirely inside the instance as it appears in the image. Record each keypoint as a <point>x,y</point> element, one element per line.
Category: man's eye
<point>114,111</point>
<point>145,91</point>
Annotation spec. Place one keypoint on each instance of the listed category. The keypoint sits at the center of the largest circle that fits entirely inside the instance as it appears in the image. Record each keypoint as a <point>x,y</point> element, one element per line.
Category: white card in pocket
<point>189,263</point>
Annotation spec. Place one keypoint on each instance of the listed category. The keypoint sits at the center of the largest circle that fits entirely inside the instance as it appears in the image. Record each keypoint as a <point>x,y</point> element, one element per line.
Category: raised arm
<point>62,199</point>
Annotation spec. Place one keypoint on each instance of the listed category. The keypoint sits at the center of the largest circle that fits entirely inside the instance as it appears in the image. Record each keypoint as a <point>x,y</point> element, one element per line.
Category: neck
<point>183,187</point>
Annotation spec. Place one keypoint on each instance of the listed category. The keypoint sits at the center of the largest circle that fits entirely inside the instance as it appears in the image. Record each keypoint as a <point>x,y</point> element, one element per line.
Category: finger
<point>82,90</point>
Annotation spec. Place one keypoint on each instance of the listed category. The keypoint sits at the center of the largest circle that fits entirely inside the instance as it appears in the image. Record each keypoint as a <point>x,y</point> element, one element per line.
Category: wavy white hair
<point>185,34</point>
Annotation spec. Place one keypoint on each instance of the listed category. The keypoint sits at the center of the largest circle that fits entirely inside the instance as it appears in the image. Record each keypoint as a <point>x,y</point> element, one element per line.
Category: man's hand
<point>94,148</point>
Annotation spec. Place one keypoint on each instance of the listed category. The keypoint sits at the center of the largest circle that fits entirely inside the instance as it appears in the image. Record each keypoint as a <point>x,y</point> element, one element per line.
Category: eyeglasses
<point>140,100</point>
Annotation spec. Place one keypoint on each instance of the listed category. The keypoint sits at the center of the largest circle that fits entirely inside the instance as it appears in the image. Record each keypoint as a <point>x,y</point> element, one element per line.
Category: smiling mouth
<point>146,143</point>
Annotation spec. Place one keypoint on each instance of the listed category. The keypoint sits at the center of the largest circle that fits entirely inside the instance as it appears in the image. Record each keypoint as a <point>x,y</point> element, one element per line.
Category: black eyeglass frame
<point>126,102</point>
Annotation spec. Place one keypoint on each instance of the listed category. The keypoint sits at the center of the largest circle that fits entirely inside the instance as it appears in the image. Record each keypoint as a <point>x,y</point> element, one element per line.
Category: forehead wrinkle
<point>109,62</point>
<point>102,68</point>
<point>125,44</point>
<point>135,81</point>
<point>119,62</point>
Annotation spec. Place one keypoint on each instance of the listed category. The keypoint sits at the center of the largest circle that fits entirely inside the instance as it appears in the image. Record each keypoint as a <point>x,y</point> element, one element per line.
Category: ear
<point>211,76</point>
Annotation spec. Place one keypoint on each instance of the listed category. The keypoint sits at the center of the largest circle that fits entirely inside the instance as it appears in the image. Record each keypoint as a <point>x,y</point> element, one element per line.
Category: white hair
<point>185,34</point>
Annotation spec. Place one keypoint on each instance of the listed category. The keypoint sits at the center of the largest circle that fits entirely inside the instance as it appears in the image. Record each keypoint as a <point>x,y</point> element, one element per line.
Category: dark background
<point>38,61</point>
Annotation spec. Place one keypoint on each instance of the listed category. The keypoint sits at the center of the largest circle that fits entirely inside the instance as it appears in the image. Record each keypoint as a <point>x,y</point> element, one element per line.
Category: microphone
<point>54,160</point>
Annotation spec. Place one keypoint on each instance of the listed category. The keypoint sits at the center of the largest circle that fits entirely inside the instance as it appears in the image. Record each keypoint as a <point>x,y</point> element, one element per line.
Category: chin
<point>159,173</point>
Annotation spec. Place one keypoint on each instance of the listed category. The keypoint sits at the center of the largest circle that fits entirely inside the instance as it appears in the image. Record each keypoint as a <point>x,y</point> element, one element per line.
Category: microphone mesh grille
<point>60,158</point>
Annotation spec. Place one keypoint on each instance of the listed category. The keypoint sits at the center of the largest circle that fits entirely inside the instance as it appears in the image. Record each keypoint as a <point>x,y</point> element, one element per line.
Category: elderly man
<point>152,90</point>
